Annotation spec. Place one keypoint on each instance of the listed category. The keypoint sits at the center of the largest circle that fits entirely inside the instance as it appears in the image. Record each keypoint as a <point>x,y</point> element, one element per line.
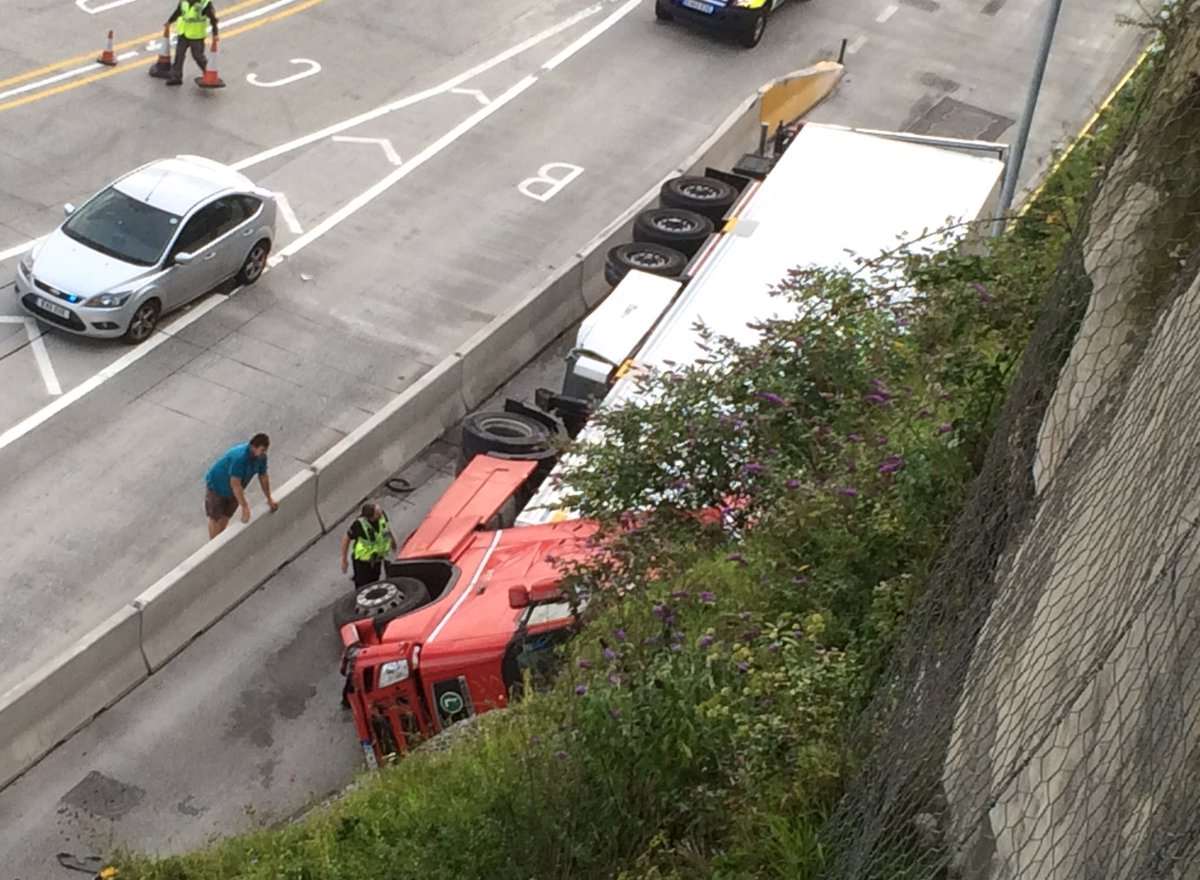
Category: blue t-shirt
<point>237,462</point>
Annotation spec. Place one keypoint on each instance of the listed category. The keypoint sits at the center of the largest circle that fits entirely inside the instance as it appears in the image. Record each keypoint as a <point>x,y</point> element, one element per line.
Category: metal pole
<point>1013,169</point>
<point>842,52</point>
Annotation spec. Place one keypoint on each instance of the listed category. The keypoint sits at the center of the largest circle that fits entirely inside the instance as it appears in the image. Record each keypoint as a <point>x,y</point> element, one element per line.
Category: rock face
<point>1075,748</point>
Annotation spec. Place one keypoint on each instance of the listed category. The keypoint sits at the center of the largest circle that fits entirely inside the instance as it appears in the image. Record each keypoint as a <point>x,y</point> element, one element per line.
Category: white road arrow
<point>476,93</point>
<point>384,144</point>
<point>38,347</point>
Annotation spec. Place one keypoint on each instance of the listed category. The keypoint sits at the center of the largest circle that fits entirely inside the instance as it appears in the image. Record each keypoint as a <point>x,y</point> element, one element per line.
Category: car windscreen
<point>123,227</point>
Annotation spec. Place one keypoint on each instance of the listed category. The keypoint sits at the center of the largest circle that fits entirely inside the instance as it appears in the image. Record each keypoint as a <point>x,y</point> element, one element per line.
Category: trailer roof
<point>835,193</point>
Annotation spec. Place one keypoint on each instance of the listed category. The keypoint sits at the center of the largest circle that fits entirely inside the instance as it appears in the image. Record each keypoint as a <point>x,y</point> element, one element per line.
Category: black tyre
<point>704,195</point>
<point>754,33</point>
<point>381,601</point>
<point>144,321</point>
<point>656,259</point>
<point>662,11</point>
<point>678,228</point>
<point>255,263</point>
<point>505,432</point>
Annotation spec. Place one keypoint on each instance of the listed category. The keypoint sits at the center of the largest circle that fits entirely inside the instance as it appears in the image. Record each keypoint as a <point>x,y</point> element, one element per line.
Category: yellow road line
<point>1066,154</point>
<point>140,63</point>
<point>117,47</point>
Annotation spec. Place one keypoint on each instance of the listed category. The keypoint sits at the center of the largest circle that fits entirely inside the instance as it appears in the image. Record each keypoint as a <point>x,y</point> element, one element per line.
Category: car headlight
<point>108,300</point>
<point>743,4</point>
<point>392,672</point>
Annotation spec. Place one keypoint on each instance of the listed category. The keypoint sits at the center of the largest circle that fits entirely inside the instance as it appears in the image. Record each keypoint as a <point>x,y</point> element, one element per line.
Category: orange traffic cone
<point>162,67</point>
<point>107,56</point>
<point>210,79</point>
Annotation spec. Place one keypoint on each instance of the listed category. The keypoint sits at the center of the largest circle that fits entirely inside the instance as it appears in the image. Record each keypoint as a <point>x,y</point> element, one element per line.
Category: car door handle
<point>210,255</point>
<point>246,232</point>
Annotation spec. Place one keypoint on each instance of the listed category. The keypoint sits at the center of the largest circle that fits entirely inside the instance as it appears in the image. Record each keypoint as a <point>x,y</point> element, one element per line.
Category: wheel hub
<point>647,260</point>
<point>377,596</point>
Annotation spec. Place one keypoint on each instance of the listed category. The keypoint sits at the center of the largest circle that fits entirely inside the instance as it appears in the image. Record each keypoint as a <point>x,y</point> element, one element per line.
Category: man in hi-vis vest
<point>193,17</point>
<point>372,540</point>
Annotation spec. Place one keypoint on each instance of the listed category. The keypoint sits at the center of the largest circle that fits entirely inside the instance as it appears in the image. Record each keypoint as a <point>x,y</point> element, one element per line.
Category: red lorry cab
<point>458,615</point>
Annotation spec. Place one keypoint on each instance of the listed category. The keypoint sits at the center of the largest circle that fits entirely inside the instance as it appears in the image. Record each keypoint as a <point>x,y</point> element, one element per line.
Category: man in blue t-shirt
<point>225,483</point>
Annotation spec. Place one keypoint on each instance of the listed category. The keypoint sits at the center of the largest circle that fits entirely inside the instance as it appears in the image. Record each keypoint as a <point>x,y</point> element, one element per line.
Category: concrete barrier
<point>198,592</point>
<point>71,689</point>
<point>355,466</point>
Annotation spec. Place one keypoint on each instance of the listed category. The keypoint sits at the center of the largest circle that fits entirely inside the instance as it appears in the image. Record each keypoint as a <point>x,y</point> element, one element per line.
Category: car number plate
<point>54,309</point>
<point>706,8</point>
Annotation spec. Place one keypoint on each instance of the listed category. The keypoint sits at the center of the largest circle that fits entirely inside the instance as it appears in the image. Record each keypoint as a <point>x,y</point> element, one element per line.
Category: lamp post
<point>1016,154</point>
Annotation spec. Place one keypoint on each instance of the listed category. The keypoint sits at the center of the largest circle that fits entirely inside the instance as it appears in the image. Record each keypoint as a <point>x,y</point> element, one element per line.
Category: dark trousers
<point>367,572</point>
<point>182,45</point>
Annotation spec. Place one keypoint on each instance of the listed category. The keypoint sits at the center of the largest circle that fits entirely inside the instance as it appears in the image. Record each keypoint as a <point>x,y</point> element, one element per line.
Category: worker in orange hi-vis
<point>193,17</point>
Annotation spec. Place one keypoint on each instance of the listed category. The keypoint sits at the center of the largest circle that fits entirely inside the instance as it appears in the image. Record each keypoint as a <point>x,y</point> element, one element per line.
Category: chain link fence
<point>1042,718</point>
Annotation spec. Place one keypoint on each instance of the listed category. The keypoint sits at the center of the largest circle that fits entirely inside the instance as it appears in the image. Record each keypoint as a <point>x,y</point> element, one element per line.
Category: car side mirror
<point>68,209</point>
<point>518,597</point>
<point>184,257</point>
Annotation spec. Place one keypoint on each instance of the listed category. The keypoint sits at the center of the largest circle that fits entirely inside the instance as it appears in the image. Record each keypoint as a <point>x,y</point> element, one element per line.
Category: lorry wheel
<point>678,228</point>
<point>656,259</point>
<point>662,10</point>
<point>704,195</point>
<point>506,432</point>
<point>381,601</point>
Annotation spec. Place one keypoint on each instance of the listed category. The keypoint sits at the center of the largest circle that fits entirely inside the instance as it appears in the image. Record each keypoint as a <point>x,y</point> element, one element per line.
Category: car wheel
<point>662,11</point>
<point>144,321</point>
<point>381,601</point>
<point>752,35</point>
<point>256,262</point>
<point>657,259</point>
<point>510,433</point>
<point>704,195</point>
<point>678,228</point>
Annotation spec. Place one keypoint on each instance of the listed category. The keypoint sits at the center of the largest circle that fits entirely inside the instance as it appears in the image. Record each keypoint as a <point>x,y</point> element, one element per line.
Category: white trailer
<point>833,194</point>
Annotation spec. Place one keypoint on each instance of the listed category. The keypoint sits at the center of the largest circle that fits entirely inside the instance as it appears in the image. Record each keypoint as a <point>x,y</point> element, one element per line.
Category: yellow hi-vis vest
<point>372,546</point>
<point>193,24</point>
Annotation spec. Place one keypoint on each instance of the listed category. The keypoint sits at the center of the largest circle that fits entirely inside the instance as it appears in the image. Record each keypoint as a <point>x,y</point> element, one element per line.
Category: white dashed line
<point>858,43</point>
<point>887,13</point>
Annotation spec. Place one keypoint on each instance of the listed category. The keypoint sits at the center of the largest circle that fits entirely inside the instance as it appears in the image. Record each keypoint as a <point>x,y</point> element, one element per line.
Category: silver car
<point>151,242</point>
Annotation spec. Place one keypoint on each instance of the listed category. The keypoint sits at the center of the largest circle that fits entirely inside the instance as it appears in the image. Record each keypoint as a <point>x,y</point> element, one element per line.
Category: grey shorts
<point>219,506</point>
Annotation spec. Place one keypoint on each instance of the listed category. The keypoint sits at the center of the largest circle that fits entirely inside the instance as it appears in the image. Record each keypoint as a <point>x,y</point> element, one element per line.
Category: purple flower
<point>745,615</point>
<point>584,663</point>
<point>753,468</point>
<point>924,414</point>
<point>891,464</point>
<point>751,634</point>
<point>854,438</point>
<point>681,484</point>
<point>580,690</point>
<point>619,635</point>
<point>736,557</point>
<point>662,612</point>
<point>679,595</point>
<point>676,647</point>
<point>945,428</point>
<point>708,597</point>
<point>877,397</point>
<point>984,296</point>
<point>773,399</point>
<point>743,666</point>
<point>800,580</point>
<point>704,642</point>
<point>614,679</point>
<point>561,755</point>
<point>610,654</point>
<point>792,484</point>
<point>848,492</point>
<point>881,440</point>
<point>774,647</point>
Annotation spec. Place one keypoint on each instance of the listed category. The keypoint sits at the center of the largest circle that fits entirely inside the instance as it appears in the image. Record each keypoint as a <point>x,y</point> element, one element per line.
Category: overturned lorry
<point>473,598</point>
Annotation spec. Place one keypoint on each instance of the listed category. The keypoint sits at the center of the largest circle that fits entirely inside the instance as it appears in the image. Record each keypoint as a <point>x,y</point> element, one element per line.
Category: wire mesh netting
<point>1042,718</point>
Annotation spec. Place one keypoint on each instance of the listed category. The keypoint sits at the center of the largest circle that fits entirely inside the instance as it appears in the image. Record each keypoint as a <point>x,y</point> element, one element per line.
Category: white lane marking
<point>103,7</point>
<point>566,53</point>
<point>400,104</point>
<point>887,13</point>
<point>17,250</point>
<point>476,93</point>
<point>289,216</point>
<point>530,186</point>
<point>313,68</point>
<point>19,430</point>
<point>858,43</point>
<point>369,195</point>
<point>384,144</point>
<point>38,345</point>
